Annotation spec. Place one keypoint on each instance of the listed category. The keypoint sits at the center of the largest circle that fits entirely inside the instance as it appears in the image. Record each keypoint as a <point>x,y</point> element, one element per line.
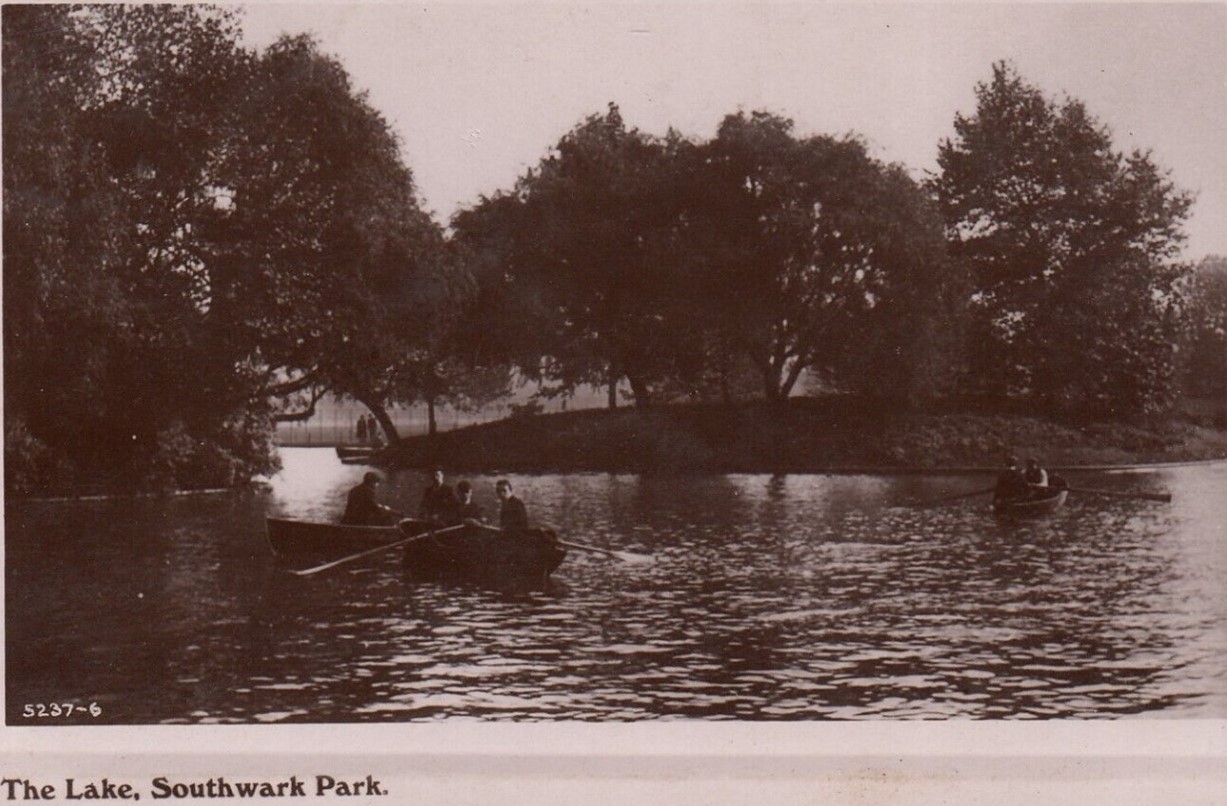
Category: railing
<point>340,428</point>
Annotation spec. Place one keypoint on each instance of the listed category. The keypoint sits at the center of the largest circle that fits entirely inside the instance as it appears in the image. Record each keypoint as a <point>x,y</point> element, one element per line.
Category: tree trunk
<point>432,423</point>
<point>613,386</point>
<point>385,421</point>
<point>643,394</point>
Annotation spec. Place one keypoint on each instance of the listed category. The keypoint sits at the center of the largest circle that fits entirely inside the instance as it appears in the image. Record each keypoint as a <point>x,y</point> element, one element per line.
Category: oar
<point>954,497</point>
<point>1164,497</point>
<point>306,572</point>
<point>624,556</point>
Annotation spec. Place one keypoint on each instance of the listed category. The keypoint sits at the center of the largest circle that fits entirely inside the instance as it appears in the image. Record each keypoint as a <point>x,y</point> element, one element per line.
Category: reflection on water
<point>770,597</point>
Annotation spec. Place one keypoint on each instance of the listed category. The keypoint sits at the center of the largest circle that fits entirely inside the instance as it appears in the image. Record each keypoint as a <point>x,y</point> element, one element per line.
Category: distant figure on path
<point>362,508</point>
<point>467,511</point>
<point>1011,484</point>
<point>512,516</point>
<point>438,501</point>
<point>1035,476</point>
<point>360,428</point>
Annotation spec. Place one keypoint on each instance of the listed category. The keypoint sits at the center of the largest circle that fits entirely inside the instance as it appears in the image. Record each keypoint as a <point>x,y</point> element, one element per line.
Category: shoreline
<point>810,436</point>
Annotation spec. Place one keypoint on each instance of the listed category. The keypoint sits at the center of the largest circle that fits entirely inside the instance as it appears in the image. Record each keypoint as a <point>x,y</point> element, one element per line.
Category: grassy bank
<point>806,435</point>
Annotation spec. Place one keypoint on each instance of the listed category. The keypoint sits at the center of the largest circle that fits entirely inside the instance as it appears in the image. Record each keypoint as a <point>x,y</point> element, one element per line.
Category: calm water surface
<point>768,598</point>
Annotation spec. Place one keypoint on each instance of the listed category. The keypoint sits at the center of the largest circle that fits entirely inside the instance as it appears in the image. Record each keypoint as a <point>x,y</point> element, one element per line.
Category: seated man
<point>512,516</point>
<point>1011,485</point>
<point>438,501</point>
<point>467,511</point>
<point>363,509</point>
<point>1035,476</point>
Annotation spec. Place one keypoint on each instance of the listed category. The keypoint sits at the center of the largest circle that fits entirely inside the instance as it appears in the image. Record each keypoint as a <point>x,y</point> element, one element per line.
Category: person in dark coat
<point>362,507</point>
<point>467,510</point>
<point>438,501</point>
<point>512,516</point>
<point>1011,484</point>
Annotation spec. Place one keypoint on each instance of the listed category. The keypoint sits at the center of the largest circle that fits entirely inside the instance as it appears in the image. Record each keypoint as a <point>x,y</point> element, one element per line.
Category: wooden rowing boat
<point>480,551</point>
<point>1039,504</point>
<point>355,452</point>
<point>483,551</point>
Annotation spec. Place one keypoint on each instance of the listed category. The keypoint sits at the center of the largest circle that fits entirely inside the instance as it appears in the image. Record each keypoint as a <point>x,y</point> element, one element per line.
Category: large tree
<point>191,229</point>
<point>1073,246</point>
<point>585,249</point>
<point>818,258</point>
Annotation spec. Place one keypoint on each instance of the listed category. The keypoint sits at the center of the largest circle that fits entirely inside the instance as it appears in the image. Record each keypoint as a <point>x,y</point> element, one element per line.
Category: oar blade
<point>1164,498</point>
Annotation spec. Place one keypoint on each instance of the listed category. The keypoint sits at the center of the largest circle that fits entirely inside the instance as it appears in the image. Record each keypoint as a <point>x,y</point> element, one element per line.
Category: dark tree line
<point>201,240</point>
<point>666,263</point>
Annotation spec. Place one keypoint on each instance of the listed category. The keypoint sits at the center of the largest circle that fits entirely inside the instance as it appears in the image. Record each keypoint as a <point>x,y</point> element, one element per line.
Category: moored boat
<point>1039,503</point>
<point>355,452</point>
<point>480,551</point>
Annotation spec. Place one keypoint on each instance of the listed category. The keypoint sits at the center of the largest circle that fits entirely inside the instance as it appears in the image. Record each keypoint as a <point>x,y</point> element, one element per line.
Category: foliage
<point>1205,368</point>
<point>584,248</point>
<point>190,230</point>
<point>819,258</point>
<point>1073,250</point>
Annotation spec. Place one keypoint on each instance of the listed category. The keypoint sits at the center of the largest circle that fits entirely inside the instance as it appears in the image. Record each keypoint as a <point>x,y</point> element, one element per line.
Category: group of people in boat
<point>440,505</point>
<point>1016,483</point>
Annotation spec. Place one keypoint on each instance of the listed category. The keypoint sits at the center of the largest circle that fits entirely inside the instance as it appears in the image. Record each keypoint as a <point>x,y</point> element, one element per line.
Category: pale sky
<point>479,92</point>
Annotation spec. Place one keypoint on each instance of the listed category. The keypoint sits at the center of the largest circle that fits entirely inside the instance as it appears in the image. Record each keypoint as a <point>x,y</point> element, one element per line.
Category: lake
<point>799,597</point>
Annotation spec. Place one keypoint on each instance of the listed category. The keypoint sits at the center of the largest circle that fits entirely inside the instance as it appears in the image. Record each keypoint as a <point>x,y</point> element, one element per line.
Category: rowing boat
<point>355,452</point>
<point>1038,504</point>
<point>481,551</point>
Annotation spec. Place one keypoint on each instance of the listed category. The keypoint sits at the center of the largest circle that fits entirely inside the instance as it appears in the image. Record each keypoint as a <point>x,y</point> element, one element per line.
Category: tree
<point>1073,248</point>
<point>585,246</point>
<point>325,227</point>
<point>191,231</point>
<point>109,113</point>
<point>817,257</point>
<point>1205,368</point>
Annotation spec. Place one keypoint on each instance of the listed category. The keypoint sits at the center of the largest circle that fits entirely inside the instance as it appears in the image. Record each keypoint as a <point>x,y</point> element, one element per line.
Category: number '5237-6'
<point>40,710</point>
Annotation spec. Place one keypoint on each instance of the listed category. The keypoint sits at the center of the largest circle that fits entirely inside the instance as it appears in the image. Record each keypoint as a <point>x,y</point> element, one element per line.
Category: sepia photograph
<point>479,365</point>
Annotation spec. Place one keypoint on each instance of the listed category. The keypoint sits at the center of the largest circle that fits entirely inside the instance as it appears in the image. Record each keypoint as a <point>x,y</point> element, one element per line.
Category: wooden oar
<point>624,556</point>
<point>954,497</point>
<point>306,572</point>
<point>1164,497</point>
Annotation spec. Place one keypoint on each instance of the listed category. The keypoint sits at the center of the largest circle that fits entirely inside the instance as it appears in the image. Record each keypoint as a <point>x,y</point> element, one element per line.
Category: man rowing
<point>1011,483</point>
<point>438,501</point>
<point>467,510</point>
<point>362,507</point>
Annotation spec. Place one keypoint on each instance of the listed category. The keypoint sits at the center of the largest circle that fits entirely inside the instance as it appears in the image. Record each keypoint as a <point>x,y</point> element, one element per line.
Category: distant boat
<point>356,452</point>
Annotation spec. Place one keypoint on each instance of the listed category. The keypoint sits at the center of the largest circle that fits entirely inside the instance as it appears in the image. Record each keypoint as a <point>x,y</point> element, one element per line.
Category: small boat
<point>477,551</point>
<point>355,452</point>
<point>1040,503</point>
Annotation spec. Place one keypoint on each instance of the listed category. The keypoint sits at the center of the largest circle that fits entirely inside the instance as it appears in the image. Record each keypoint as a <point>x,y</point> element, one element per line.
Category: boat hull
<point>290,538</point>
<point>483,552</point>
<point>473,551</point>
<point>1031,506</point>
